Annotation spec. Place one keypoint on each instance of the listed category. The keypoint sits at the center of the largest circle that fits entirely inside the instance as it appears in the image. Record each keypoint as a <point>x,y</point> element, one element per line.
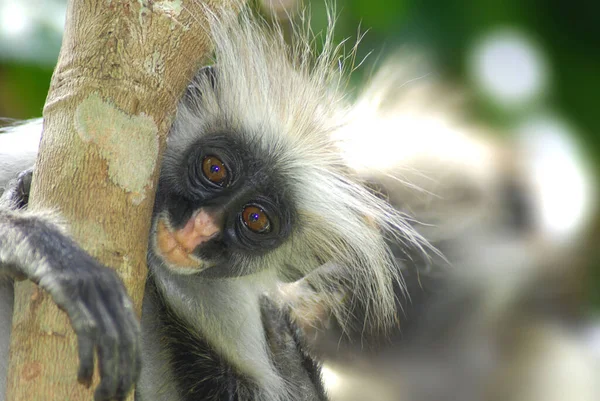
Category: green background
<point>567,35</point>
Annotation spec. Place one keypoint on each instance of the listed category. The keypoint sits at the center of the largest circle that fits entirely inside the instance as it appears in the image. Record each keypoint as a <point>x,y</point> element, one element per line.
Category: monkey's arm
<point>33,246</point>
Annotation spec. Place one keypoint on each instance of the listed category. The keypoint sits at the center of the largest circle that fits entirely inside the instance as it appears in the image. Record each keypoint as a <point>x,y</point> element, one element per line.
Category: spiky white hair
<point>290,100</point>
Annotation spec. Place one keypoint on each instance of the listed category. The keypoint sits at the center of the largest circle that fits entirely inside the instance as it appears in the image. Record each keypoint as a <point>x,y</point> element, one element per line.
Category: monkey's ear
<point>193,91</point>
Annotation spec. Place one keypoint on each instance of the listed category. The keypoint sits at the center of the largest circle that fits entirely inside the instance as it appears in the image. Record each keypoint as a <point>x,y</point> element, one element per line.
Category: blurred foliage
<point>23,89</point>
<point>568,35</point>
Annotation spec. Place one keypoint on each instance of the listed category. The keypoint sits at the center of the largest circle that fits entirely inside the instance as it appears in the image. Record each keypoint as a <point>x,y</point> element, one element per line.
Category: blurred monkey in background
<point>501,315</point>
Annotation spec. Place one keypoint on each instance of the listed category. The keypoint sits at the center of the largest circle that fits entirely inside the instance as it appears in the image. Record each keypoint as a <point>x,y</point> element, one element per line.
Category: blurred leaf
<point>24,89</point>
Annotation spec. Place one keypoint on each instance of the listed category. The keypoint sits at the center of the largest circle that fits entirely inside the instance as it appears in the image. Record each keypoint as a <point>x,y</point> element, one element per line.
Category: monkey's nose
<point>177,247</point>
<point>201,227</point>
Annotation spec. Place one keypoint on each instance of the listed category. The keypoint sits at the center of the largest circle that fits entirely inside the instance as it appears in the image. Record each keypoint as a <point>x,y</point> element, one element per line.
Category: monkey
<point>253,192</point>
<point>500,316</point>
<point>256,208</point>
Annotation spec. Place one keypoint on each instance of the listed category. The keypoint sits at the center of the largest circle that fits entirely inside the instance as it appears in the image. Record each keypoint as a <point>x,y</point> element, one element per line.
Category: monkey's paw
<point>103,318</point>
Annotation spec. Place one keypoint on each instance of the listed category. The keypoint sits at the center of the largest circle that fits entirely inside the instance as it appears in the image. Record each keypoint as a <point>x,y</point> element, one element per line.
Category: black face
<point>239,187</point>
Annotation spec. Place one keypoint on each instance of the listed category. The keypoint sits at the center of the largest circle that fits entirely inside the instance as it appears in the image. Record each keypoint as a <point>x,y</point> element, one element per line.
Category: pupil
<point>254,217</point>
<point>214,168</point>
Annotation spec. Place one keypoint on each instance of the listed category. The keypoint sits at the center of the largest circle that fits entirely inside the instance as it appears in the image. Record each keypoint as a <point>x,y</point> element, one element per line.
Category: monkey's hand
<point>287,351</point>
<point>33,246</point>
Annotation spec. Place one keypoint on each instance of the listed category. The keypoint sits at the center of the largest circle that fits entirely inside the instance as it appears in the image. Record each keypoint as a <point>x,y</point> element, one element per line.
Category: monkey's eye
<point>214,170</point>
<point>256,219</point>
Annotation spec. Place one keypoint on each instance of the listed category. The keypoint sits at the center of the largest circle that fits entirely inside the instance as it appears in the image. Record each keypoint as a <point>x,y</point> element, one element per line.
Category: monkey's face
<point>220,207</point>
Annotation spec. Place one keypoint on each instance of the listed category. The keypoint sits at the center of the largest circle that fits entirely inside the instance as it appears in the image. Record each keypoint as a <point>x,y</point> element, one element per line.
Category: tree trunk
<point>120,72</point>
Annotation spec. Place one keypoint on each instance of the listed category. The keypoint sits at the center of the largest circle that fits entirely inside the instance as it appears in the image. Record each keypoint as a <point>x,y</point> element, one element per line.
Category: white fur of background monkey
<point>451,177</point>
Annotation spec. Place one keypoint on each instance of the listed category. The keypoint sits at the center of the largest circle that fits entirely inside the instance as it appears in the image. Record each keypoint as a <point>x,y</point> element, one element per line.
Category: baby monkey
<point>253,192</point>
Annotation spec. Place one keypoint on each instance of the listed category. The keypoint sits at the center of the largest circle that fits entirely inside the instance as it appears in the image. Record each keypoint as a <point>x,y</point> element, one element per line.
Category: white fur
<point>18,149</point>
<point>291,101</point>
<point>227,314</point>
<point>449,175</point>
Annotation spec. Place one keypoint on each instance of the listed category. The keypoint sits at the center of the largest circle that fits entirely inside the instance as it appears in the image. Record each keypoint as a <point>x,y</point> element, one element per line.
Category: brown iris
<point>256,219</point>
<point>214,170</point>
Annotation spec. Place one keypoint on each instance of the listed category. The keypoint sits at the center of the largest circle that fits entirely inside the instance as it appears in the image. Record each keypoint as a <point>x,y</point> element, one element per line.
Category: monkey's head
<point>252,179</point>
<point>225,204</point>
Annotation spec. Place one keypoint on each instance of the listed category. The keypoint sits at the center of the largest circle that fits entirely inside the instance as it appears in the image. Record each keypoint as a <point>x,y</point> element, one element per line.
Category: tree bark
<point>121,69</point>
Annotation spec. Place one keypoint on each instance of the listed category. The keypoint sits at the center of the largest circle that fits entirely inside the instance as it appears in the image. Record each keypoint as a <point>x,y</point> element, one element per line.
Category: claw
<point>104,322</point>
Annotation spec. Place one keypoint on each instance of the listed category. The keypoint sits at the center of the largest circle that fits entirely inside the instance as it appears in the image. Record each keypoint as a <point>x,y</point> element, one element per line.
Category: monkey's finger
<point>126,323</point>
<point>86,330</point>
<point>86,360</point>
<point>129,352</point>
<point>107,348</point>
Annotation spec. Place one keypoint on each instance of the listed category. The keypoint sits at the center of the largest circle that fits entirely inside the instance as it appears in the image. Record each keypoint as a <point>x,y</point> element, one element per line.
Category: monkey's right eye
<point>214,170</point>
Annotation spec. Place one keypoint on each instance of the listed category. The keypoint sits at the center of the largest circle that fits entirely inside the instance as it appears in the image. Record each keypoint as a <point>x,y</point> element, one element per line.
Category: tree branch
<point>113,95</point>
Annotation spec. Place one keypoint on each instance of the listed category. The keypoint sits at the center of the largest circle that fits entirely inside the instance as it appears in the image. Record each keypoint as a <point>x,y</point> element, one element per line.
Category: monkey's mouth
<point>177,246</point>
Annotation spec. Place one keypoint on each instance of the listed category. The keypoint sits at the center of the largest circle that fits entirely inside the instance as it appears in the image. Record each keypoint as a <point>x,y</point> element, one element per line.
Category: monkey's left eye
<point>214,170</point>
<point>256,219</point>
